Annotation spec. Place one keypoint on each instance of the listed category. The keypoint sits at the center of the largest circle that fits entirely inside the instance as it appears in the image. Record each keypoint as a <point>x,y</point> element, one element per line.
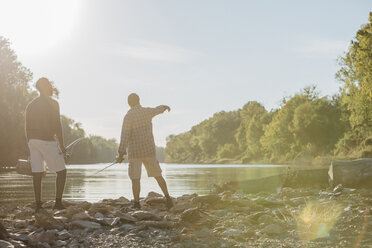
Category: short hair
<point>133,99</point>
<point>41,83</point>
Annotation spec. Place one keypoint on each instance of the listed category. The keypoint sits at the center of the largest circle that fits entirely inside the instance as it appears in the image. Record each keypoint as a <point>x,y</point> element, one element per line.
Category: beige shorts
<point>151,165</point>
<point>45,154</point>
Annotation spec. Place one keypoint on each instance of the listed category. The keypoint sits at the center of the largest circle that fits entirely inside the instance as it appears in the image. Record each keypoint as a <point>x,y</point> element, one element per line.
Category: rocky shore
<point>306,217</point>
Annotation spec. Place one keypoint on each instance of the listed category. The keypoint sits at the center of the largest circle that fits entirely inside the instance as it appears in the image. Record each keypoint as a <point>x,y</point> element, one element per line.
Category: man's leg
<point>164,188</point>
<point>36,179</point>
<point>60,187</point>
<point>162,185</point>
<point>136,188</point>
<point>134,172</point>
<point>37,166</point>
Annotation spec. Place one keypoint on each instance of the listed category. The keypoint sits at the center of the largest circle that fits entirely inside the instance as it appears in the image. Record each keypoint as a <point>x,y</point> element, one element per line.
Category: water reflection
<point>83,184</point>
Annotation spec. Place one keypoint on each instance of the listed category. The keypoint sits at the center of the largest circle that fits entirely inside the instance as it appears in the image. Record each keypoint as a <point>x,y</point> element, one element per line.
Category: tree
<point>356,75</point>
<point>14,96</point>
<point>253,119</point>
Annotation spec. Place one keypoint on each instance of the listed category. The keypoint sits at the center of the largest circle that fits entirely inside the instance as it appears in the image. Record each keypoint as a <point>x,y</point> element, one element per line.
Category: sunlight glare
<point>38,26</point>
<point>317,219</point>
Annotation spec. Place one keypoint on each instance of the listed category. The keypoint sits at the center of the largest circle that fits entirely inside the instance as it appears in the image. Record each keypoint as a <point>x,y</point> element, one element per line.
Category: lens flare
<point>317,219</point>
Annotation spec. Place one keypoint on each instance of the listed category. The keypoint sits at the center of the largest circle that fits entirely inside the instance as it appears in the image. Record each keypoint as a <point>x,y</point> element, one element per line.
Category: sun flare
<point>317,219</point>
<point>38,26</point>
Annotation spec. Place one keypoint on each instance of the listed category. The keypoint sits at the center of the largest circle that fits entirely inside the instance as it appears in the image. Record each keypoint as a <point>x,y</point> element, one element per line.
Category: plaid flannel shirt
<point>136,134</point>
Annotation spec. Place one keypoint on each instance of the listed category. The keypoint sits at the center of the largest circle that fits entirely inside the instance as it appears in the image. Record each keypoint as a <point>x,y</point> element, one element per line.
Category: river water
<point>84,184</point>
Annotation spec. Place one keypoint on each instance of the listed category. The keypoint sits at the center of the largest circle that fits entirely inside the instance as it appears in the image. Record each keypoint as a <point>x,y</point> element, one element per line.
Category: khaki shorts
<point>151,165</point>
<point>45,154</point>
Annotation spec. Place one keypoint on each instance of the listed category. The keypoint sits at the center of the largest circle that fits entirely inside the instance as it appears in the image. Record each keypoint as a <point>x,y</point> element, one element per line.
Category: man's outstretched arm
<point>159,110</point>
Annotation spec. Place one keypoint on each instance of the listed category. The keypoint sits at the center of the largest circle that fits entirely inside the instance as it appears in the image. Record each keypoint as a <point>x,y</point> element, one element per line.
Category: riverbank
<point>311,217</point>
<point>319,161</point>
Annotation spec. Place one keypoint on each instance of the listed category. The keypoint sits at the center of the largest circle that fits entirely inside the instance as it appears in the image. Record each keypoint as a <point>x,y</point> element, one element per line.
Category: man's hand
<point>120,158</point>
<point>166,108</point>
<point>63,150</point>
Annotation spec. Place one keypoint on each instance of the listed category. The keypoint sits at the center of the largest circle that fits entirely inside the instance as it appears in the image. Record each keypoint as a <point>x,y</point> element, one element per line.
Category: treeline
<point>306,127</point>
<point>92,149</point>
<point>15,93</point>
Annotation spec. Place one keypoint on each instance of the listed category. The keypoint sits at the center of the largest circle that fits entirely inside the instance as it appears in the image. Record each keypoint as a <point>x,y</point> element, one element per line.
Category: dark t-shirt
<point>42,119</point>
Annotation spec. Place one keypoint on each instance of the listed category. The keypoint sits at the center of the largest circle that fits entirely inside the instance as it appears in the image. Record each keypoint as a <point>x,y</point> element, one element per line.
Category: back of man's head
<point>133,99</point>
<point>44,86</point>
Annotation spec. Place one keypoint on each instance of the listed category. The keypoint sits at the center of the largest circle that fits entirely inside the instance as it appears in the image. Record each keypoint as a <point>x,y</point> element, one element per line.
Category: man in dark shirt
<point>42,125</point>
<point>137,137</point>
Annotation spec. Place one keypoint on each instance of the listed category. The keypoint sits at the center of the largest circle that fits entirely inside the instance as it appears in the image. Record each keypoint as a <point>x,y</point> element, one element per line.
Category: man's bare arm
<point>59,130</point>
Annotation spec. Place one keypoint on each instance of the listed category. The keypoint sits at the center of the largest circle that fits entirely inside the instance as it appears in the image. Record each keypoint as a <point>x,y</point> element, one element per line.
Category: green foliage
<point>356,75</point>
<point>205,140</point>
<point>306,125</point>
<point>228,150</point>
<point>254,118</point>
<point>15,93</point>
<point>14,96</point>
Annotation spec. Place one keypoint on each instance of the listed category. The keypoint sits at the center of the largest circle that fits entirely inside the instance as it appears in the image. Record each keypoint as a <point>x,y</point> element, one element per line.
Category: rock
<point>226,195</point>
<point>206,199</point>
<point>85,205</point>
<point>60,243</point>
<point>180,207</point>
<point>81,216</point>
<point>145,215</point>
<point>191,215</point>
<point>247,203</point>
<point>338,188</point>
<point>43,245</point>
<point>124,217</point>
<point>48,204</point>
<point>102,207</point>
<point>351,173</point>
<point>272,229</point>
<point>3,232</point>
<point>20,224</point>
<point>156,224</point>
<point>127,227</point>
<point>24,213</point>
<point>232,232</point>
<point>61,219</point>
<point>20,237</point>
<point>265,219</point>
<point>99,215</point>
<point>122,201</point>
<point>72,210</point>
<point>5,244</point>
<point>154,201</point>
<point>153,194</point>
<point>63,235</point>
<point>115,221</point>
<point>267,202</point>
<point>85,224</point>
<point>47,221</point>
<point>48,236</point>
<point>43,237</point>
<point>298,201</point>
<point>348,191</point>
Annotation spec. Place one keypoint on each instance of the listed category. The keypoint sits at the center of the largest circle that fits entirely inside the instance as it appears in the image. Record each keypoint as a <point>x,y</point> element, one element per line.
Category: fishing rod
<point>69,149</point>
<point>113,163</point>
<point>105,168</point>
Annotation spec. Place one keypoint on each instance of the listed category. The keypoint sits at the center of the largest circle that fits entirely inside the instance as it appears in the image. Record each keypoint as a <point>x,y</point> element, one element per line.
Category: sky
<point>198,57</point>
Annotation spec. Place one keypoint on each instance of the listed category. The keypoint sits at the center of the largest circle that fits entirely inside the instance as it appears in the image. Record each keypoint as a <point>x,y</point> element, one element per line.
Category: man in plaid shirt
<point>138,139</point>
